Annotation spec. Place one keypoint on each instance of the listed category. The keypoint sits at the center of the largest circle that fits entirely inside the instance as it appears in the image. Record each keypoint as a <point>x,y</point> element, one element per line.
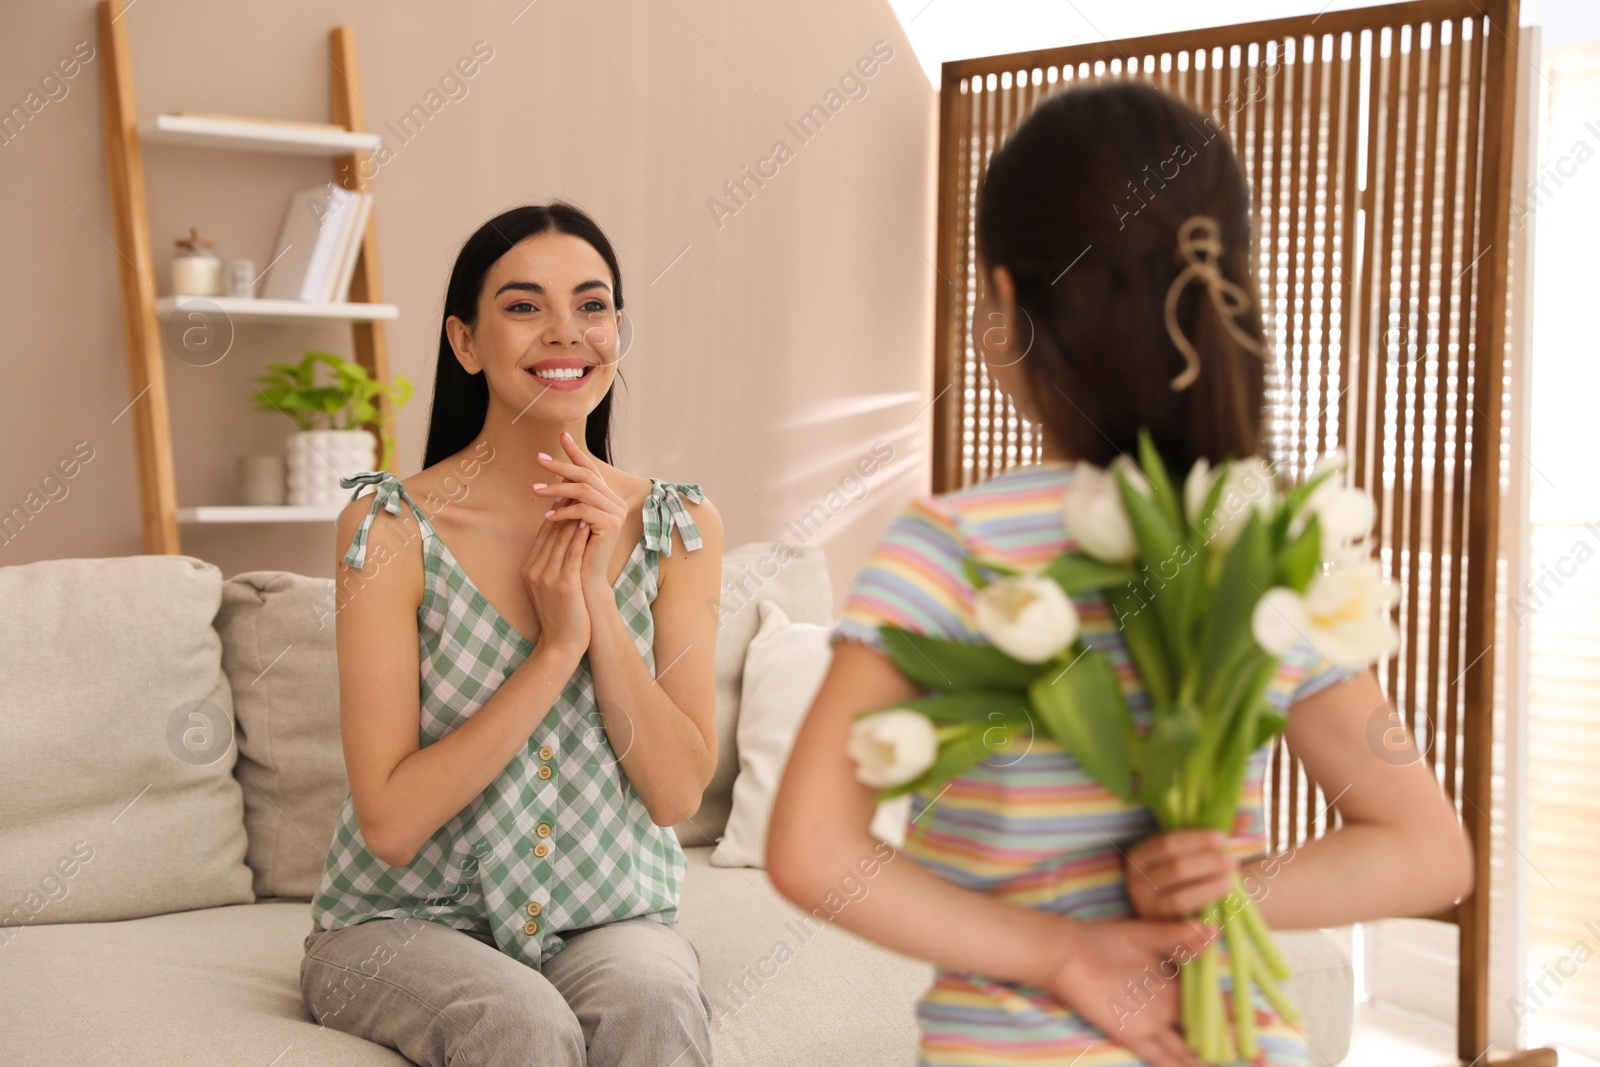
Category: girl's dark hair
<point>461,400</point>
<point>1109,172</point>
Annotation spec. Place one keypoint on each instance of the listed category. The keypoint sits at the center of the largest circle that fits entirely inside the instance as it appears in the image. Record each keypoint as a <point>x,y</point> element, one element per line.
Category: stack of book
<point>318,245</point>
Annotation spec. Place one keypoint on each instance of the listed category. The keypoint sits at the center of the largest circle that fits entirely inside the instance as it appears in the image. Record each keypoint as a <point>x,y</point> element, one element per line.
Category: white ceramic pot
<point>319,458</point>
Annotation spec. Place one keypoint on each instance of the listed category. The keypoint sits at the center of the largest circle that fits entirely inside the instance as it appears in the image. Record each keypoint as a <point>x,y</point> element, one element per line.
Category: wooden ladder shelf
<point>141,309</point>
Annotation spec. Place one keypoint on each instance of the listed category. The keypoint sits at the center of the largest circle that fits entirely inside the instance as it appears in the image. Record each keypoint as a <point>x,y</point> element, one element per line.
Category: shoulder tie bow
<point>670,512</point>
<point>387,497</point>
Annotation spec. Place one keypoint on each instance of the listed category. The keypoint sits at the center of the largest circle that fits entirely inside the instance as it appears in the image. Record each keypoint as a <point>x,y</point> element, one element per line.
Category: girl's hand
<point>551,574</point>
<point>1092,979</point>
<point>1177,873</point>
<point>596,509</point>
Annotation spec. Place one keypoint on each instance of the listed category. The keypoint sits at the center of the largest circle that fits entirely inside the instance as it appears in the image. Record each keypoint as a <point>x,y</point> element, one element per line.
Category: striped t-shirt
<point>1027,825</point>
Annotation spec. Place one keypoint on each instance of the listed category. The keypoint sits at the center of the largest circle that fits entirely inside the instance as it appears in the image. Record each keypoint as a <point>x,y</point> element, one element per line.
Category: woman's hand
<point>596,509</point>
<point>1093,974</point>
<point>1177,873</point>
<point>551,574</point>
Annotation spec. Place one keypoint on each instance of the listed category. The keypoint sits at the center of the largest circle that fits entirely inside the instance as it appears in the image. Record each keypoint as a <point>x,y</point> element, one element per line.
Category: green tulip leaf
<point>979,705</point>
<point>1295,498</point>
<point>1245,576</point>
<point>1232,756</point>
<point>1141,632</point>
<point>1077,573</point>
<point>955,665</point>
<point>1162,553</point>
<point>1083,708</point>
<point>1298,563</point>
<point>1154,469</point>
<point>1269,724</point>
<point>1167,744</point>
<point>1199,530</point>
<point>976,569</point>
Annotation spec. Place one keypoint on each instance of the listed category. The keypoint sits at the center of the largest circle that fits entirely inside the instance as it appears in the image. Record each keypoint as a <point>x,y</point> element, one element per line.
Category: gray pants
<point>625,994</point>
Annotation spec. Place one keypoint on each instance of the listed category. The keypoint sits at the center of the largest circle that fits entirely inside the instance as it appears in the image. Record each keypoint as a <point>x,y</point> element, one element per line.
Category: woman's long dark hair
<point>461,400</point>
<point>1109,172</point>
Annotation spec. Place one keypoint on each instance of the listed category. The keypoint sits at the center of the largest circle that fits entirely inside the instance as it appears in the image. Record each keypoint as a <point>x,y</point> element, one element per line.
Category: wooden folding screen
<point>1377,142</point>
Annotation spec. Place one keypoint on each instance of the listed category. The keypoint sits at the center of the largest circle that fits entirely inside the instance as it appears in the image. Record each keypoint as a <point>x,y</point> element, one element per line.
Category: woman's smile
<point>562,372</point>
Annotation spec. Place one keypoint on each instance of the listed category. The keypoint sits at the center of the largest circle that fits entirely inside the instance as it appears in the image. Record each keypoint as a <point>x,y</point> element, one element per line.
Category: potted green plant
<point>332,442</point>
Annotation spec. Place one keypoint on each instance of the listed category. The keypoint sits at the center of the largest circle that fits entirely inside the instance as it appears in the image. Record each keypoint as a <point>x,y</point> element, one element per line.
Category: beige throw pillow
<point>278,650</point>
<point>784,668</point>
<point>117,796</point>
<point>795,578</point>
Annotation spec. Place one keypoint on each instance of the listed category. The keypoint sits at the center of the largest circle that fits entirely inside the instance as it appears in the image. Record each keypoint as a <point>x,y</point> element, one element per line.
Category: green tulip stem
<point>1273,992</point>
<point>1189,995</point>
<point>1205,1009</point>
<point>1244,1015</point>
<point>1214,1018</point>
<point>1275,964</point>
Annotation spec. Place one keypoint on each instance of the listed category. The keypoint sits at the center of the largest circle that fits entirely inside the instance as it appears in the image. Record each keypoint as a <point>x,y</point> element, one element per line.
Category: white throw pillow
<point>784,668</point>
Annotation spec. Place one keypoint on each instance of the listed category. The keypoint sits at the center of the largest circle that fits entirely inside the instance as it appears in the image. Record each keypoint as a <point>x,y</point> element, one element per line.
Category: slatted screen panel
<point>1376,143</point>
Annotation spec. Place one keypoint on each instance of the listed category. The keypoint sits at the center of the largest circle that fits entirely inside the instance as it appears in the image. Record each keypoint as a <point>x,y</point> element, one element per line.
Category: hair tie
<point>1200,245</point>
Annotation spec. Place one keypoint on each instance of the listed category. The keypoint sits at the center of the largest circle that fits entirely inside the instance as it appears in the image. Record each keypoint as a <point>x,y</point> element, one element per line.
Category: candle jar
<point>238,278</point>
<point>263,480</point>
<point>196,271</point>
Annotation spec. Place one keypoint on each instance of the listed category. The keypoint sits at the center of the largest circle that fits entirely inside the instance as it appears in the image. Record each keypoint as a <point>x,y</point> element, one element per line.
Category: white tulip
<point>892,747</point>
<point>1028,617</point>
<point>1343,615</point>
<point>1249,482</point>
<point>1346,553</point>
<point>1343,513</point>
<point>1092,513</point>
<point>1091,508</point>
<point>1131,471</point>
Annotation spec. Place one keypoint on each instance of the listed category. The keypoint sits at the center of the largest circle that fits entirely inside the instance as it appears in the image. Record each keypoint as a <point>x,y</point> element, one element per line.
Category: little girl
<point>1050,907</point>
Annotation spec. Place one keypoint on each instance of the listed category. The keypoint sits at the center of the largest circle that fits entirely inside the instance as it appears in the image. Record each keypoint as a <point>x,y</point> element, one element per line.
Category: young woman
<point>1037,893</point>
<point>526,697</point>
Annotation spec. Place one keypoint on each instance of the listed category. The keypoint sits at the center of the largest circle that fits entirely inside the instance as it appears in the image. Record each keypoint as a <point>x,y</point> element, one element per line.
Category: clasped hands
<point>565,572</point>
<point>1121,974</point>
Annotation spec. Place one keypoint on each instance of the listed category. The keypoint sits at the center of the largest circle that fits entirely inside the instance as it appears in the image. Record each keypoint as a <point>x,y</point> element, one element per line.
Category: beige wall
<point>768,359</point>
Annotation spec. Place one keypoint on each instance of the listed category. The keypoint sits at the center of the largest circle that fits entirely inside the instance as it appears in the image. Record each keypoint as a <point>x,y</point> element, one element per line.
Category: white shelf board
<point>277,310</point>
<point>240,513</point>
<point>195,132</point>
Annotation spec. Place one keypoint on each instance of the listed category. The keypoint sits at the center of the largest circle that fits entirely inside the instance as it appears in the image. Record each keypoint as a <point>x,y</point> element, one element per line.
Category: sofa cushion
<point>196,989</point>
<point>796,579</point>
<point>788,987</point>
<point>221,985</point>
<point>1322,984</point>
<point>117,797</point>
<point>278,650</point>
<point>783,668</point>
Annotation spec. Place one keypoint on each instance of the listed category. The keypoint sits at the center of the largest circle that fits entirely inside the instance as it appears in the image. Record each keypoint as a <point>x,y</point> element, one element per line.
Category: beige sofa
<point>170,772</point>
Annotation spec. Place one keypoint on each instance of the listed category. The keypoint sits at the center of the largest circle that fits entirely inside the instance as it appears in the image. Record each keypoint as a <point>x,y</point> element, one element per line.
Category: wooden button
<point>534,907</point>
<point>530,927</point>
<point>541,849</point>
<point>543,830</point>
<point>546,752</point>
<point>544,770</point>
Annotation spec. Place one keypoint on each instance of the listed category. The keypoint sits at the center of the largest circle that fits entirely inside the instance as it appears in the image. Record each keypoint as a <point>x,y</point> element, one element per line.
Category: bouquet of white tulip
<point>1211,590</point>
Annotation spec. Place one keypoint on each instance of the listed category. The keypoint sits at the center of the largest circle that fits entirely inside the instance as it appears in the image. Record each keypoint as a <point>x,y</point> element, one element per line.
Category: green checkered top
<point>561,840</point>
